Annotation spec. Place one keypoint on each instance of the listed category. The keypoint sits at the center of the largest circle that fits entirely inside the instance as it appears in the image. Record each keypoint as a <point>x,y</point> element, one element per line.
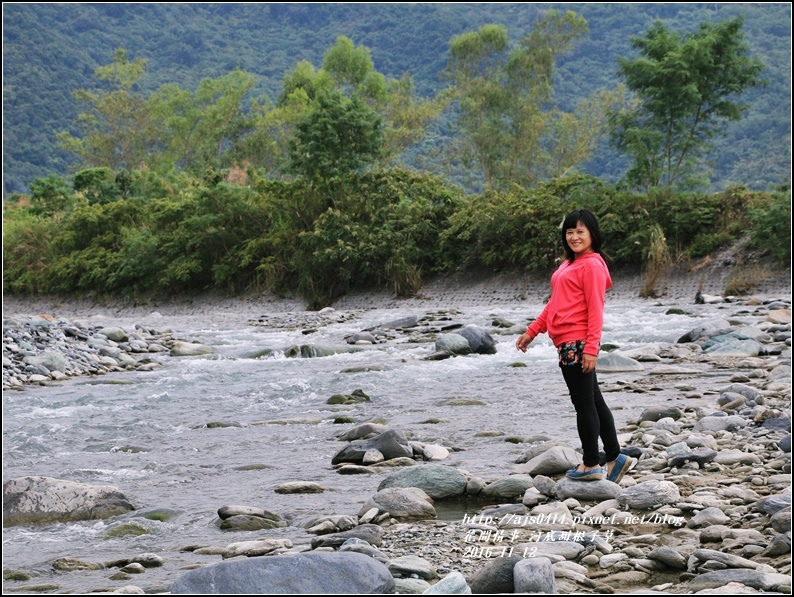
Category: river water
<point>147,433</point>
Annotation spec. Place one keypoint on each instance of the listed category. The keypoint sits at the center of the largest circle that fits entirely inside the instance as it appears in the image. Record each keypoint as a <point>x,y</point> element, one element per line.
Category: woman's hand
<point>588,363</point>
<point>523,341</point>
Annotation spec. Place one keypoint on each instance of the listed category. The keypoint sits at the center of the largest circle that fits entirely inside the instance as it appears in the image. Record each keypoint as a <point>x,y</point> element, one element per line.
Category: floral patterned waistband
<point>571,353</point>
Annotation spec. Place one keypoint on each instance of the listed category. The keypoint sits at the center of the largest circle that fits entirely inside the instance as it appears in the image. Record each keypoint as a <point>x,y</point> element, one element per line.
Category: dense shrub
<point>770,223</point>
<point>142,234</point>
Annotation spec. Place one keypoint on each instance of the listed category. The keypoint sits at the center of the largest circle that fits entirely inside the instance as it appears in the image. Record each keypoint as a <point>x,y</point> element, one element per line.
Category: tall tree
<point>336,138</point>
<point>685,88</point>
<point>349,72</point>
<point>172,127</point>
<point>117,130</point>
<point>506,117</point>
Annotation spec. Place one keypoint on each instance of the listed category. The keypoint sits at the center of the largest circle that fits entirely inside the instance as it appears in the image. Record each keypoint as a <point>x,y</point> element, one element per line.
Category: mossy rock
<point>159,514</point>
<point>126,530</point>
<point>356,397</point>
<point>344,420</point>
<point>16,575</point>
<point>253,467</point>
<point>72,564</point>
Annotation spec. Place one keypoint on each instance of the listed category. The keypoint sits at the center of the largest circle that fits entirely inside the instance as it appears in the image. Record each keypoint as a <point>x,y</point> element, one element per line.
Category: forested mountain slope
<point>51,49</point>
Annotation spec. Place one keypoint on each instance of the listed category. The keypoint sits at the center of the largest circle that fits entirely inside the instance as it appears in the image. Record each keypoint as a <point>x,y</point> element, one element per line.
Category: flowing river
<point>151,435</point>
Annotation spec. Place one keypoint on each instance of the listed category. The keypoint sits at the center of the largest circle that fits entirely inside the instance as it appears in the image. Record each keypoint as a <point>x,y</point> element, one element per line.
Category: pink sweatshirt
<point>575,310</point>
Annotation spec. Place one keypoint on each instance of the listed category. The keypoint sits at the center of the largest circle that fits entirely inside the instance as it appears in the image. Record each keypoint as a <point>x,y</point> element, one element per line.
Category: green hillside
<point>51,49</point>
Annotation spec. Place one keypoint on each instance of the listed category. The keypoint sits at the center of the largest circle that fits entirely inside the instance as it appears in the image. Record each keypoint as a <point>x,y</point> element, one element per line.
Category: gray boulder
<point>411,565</point>
<point>305,573</point>
<point>114,333</point>
<point>669,557</point>
<point>712,328</point>
<point>700,455</point>
<point>708,517</point>
<point>371,533</point>
<point>436,480</point>
<point>43,499</point>
<point>773,503</point>
<point>453,343</point>
<point>649,495</point>
<point>188,349</point>
<point>52,360</point>
<point>480,341</point>
<point>508,487</point>
<point>590,491</point>
<point>732,345</point>
<point>453,583</point>
<point>496,576</point>
<point>612,362</point>
<point>781,520</point>
<point>752,578</point>
<point>391,443</point>
<point>409,321</point>
<point>748,392</point>
<point>534,575</point>
<point>714,423</point>
<point>657,413</point>
<point>556,460</point>
<point>402,503</point>
<point>363,431</point>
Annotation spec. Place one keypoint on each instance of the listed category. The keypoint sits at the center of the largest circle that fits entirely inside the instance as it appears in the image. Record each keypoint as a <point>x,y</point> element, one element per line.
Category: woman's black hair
<point>589,220</point>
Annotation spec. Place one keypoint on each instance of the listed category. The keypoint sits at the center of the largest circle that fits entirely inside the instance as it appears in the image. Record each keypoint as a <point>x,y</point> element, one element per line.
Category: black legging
<point>593,417</point>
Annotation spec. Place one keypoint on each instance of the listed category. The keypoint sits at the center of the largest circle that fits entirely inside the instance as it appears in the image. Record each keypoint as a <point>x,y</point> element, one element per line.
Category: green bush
<point>770,223</point>
<point>175,233</point>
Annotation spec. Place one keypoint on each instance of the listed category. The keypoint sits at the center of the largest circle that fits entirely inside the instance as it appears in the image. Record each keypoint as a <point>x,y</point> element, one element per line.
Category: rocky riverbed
<point>706,509</point>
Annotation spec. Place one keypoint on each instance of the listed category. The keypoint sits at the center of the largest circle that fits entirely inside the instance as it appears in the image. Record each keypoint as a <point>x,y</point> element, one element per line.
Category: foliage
<point>386,232</point>
<point>508,126</point>
<point>769,216</point>
<point>685,86</point>
<point>186,234</point>
<point>336,138</point>
<point>50,195</point>
<point>101,185</point>
<point>50,49</point>
<point>27,250</point>
<point>118,129</point>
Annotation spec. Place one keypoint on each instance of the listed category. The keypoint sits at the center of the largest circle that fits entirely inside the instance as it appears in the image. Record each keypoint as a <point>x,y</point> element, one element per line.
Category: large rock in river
<point>436,480</point>
<point>300,574</point>
<point>392,444</point>
<point>613,362</point>
<point>479,339</point>
<point>44,499</point>
<point>189,349</point>
<point>402,503</point>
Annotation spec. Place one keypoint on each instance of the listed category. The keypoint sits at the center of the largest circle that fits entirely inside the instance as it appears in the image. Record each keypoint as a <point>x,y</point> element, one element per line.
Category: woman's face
<point>579,239</point>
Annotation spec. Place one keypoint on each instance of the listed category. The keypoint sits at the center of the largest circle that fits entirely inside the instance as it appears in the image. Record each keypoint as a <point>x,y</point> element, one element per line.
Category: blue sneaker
<point>595,474</point>
<point>623,464</point>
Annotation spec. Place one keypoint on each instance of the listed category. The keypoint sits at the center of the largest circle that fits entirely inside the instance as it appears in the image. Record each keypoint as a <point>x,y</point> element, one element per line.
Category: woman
<point>573,318</point>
